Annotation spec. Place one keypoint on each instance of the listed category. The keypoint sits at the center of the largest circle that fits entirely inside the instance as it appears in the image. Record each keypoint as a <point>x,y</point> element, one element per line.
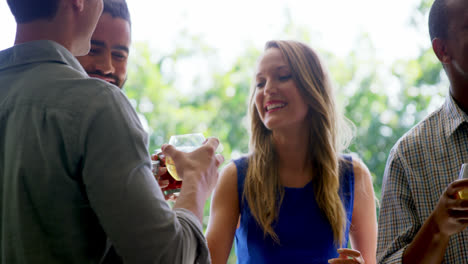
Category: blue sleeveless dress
<point>305,234</point>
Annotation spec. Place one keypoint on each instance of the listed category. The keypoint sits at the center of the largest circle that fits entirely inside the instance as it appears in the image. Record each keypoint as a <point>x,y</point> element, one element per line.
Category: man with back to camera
<point>74,165</point>
<point>422,218</point>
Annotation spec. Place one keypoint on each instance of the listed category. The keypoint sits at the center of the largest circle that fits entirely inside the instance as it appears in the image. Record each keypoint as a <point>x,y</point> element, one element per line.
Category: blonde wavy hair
<point>329,135</point>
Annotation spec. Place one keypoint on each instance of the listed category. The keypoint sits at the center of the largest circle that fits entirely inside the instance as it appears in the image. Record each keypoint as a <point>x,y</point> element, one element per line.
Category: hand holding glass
<point>185,143</point>
<point>463,194</point>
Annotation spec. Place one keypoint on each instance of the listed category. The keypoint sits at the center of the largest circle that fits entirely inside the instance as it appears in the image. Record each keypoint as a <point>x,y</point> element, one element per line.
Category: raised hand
<point>199,171</point>
<point>200,165</point>
<point>451,213</point>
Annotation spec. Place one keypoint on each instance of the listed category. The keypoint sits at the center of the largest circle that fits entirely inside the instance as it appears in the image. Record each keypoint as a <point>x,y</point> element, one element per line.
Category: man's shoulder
<point>61,86</point>
<point>45,67</point>
<point>422,133</point>
<point>74,85</point>
<point>87,86</point>
<point>92,92</point>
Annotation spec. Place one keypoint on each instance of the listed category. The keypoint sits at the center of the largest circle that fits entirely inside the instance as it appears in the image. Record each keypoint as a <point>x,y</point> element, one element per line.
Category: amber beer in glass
<point>463,194</point>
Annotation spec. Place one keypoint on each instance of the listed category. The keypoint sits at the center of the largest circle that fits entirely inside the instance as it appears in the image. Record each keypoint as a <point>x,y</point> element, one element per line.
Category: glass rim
<point>463,174</point>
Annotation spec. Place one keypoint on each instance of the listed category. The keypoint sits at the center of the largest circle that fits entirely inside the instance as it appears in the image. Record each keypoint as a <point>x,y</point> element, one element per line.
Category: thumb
<point>168,150</point>
<point>213,142</point>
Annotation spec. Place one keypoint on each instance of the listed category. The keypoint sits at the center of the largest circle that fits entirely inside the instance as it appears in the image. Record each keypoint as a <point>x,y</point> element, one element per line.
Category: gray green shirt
<point>75,169</point>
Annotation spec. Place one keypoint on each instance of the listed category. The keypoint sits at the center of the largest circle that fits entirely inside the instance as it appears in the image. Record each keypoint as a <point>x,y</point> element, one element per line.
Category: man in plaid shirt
<point>423,219</point>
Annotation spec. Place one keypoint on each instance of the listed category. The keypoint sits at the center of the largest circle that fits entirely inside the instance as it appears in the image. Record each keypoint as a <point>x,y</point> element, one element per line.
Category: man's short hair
<point>438,20</point>
<point>26,11</point>
<point>117,8</point>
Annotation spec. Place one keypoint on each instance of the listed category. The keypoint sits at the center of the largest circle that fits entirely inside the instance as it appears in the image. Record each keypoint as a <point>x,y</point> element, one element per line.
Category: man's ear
<point>78,5</point>
<point>440,49</point>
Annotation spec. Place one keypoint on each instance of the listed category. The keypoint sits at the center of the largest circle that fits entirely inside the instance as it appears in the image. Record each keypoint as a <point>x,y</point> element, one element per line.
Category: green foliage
<point>228,96</point>
<point>168,110</point>
<point>384,103</point>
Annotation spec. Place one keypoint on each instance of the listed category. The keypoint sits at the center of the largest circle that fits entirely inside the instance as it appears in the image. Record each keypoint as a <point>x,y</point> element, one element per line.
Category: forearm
<point>220,241</point>
<point>224,215</point>
<point>428,246</point>
<point>192,199</point>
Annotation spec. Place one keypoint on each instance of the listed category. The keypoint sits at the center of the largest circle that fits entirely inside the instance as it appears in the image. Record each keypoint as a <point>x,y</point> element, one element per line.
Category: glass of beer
<point>185,143</point>
<point>463,194</point>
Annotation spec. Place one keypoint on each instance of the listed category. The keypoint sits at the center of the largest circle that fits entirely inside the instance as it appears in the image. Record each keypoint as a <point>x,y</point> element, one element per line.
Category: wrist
<point>192,197</point>
<point>436,230</point>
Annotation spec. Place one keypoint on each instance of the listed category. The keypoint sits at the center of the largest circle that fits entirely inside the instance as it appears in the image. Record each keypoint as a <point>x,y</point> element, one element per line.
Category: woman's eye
<point>285,77</point>
<point>260,84</point>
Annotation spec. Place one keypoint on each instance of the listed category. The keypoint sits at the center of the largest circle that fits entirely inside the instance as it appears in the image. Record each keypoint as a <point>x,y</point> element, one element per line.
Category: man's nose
<point>104,64</point>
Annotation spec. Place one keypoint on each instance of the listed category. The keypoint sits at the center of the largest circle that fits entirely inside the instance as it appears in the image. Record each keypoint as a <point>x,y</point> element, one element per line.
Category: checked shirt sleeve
<point>398,221</point>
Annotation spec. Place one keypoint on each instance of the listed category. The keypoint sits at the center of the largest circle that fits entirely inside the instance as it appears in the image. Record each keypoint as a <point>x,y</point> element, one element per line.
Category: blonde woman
<point>295,198</point>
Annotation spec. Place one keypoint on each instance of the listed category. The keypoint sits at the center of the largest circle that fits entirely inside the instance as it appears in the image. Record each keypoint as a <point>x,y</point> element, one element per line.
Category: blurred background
<point>192,62</point>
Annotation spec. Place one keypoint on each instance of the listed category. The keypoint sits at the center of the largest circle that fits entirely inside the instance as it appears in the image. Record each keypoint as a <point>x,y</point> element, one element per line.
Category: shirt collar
<point>453,116</point>
<point>37,52</point>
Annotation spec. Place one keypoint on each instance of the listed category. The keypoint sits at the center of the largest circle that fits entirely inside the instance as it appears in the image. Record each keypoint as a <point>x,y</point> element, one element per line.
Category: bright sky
<point>229,25</point>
